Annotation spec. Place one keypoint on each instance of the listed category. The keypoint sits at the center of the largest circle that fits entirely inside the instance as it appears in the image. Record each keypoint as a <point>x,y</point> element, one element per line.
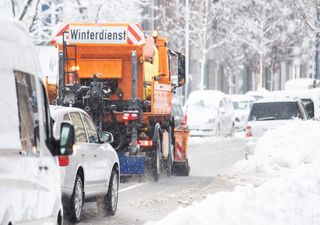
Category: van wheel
<point>77,200</point>
<point>110,200</point>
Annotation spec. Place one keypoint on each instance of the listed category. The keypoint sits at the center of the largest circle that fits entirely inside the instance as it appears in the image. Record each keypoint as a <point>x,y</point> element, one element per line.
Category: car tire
<point>110,200</point>
<point>77,200</point>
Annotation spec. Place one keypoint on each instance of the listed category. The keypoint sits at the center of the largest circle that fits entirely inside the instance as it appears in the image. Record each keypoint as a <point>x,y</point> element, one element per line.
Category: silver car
<point>92,172</point>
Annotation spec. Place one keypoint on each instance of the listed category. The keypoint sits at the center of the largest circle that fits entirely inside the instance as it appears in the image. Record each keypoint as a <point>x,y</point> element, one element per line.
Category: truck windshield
<point>274,111</point>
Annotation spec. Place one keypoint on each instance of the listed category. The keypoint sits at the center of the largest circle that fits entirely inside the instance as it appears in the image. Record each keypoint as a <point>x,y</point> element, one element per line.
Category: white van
<point>29,173</point>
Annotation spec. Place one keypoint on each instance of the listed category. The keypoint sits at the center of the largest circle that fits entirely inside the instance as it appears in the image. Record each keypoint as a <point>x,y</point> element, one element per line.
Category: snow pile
<point>290,157</point>
<point>283,149</point>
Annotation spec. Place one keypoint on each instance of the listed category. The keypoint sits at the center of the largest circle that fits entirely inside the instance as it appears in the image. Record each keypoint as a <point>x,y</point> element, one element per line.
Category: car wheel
<point>156,161</point>
<point>110,200</point>
<point>232,131</point>
<point>77,200</point>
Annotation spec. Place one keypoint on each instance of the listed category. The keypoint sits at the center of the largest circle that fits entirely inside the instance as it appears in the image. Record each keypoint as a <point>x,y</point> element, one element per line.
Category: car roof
<point>56,110</point>
<point>277,99</point>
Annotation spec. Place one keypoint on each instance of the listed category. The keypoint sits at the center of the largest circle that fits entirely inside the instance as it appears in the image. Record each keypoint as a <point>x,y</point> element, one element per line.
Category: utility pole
<point>187,51</point>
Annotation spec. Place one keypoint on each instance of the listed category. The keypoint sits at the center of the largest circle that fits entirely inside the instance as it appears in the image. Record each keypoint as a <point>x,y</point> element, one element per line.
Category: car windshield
<point>241,105</point>
<point>308,104</point>
<point>274,111</point>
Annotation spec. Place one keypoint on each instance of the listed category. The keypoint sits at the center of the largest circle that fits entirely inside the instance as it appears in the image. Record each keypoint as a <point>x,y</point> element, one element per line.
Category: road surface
<point>140,202</point>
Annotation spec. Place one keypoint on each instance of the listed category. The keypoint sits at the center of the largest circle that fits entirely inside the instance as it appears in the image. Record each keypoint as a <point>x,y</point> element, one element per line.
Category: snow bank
<point>283,149</point>
<point>290,157</point>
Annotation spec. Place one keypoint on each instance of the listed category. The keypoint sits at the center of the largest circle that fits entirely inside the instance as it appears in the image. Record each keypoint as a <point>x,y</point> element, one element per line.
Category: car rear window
<point>274,111</point>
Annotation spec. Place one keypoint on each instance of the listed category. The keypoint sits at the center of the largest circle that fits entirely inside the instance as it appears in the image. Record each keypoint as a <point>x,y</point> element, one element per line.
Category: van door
<point>49,174</point>
<point>28,111</point>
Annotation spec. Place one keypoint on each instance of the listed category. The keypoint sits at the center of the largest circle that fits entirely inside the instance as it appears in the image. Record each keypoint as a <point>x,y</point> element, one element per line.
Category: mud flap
<point>130,165</point>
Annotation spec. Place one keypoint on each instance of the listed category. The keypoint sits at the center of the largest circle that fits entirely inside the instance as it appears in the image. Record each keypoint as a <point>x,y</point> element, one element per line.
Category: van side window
<point>80,133</point>
<point>28,111</point>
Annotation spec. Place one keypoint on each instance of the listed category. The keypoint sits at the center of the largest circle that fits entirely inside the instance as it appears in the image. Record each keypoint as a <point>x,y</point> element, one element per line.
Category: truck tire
<point>156,159</point>
<point>169,160</point>
<point>185,169</point>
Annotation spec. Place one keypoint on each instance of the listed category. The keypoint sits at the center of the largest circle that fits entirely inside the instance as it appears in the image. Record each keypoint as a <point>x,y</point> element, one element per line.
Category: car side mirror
<point>67,139</point>
<point>181,70</point>
<point>107,137</point>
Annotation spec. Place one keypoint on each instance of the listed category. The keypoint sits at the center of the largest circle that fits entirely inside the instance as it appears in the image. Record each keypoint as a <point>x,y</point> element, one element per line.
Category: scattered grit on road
<point>146,201</point>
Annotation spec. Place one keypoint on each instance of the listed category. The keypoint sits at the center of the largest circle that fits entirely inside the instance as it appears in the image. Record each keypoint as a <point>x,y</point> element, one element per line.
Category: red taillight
<point>63,161</point>
<point>145,143</point>
<point>130,116</point>
<point>248,131</point>
<point>184,120</point>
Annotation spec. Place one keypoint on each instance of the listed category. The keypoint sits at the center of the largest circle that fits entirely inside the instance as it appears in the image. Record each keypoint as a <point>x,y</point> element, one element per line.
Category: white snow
<point>288,161</point>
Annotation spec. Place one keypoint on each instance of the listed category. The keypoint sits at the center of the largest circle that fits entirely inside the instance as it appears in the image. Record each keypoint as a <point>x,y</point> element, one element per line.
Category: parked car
<point>92,172</point>
<point>241,105</point>
<point>210,112</point>
<point>267,114</point>
<point>309,97</point>
<point>29,174</point>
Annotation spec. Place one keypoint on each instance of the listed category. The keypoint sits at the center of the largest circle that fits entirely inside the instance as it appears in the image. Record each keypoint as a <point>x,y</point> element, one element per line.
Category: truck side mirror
<point>67,139</point>
<point>181,70</point>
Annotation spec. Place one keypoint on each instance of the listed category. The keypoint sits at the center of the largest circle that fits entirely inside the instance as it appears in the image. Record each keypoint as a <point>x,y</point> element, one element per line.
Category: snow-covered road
<point>142,202</point>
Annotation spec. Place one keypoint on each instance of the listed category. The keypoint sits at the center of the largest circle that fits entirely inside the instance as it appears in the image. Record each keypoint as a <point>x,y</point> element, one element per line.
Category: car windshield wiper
<point>267,118</point>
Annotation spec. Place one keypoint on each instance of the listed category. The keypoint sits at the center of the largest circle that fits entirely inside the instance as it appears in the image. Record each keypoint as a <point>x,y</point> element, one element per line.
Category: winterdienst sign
<point>98,34</point>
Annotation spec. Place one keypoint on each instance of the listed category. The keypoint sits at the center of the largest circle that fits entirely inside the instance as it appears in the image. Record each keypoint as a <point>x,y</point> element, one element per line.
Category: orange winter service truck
<point>125,80</point>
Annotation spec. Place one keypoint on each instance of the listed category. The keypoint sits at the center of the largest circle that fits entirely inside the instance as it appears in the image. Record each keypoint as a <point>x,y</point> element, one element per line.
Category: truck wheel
<point>77,200</point>
<point>156,159</point>
<point>110,200</point>
<point>169,164</point>
<point>169,160</point>
<point>185,169</point>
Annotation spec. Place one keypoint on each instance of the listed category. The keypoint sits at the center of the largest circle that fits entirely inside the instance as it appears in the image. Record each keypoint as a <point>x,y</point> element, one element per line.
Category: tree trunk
<point>260,80</point>
<point>13,8</point>
<point>202,71</point>
<point>25,8</point>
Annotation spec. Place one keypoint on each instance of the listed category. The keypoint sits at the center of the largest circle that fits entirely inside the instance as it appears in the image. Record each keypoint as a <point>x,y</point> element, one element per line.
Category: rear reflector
<point>63,160</point>
<point>145,143</point>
